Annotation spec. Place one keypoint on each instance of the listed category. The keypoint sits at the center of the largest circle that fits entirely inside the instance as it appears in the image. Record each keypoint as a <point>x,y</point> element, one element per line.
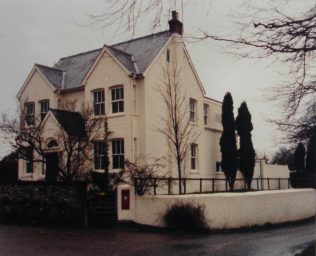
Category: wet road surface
<point>131,240</point>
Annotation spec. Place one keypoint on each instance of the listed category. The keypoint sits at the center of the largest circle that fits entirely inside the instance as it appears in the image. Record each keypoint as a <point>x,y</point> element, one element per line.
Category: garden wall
<point>39,203</point>
<point>231,210</point>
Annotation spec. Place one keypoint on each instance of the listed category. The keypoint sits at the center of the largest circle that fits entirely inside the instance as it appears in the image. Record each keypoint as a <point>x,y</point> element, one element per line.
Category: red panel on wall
<point>125,197</point>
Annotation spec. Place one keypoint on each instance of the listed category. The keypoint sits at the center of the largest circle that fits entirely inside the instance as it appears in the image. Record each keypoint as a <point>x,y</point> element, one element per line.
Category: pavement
<point>288,240</point>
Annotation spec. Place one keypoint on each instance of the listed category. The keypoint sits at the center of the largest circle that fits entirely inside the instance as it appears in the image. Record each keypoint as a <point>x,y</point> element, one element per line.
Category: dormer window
<point>117,94</point>
<point>98,102</point>
<point>29,113</point>
<point>44,106</point>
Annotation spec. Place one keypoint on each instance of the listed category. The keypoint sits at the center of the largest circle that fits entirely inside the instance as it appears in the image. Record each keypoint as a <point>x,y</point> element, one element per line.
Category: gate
<point>102,208</point>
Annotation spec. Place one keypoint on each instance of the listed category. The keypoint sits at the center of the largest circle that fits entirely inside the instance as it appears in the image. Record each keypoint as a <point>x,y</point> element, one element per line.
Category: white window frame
<point>118,152</point>
<point>98,102</point>
<point>117,98</point>
<point>98,155</point>
<point>192,109</point>
<point>194,157</point>
<point>29,115</point>
<point>29,161</point>
<point>44,108</point>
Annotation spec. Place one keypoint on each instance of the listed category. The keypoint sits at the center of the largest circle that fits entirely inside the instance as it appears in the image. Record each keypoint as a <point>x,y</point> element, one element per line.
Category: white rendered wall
<point>233,210</point>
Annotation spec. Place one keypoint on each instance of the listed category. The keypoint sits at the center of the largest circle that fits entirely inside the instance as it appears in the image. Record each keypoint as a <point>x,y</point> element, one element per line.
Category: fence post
<point>201,185</point>
<point>257,183</point>
<point>185,185</point>
<point>169,186</point>
<point>155,180</point>
<point>226,185</point>
<point>213,183</point>
<point>288,183</point>
<point>268,183</point>
<point>279,184</point>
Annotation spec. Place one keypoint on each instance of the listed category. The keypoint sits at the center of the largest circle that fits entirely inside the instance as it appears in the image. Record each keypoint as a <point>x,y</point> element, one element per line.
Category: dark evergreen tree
<point>311,154</point>
<point>228,141</point>
<point>246,151</point>
<point>299,157</point>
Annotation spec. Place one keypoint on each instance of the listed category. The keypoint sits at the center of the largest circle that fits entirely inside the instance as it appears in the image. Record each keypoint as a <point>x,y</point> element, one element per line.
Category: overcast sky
<point>41,31</point>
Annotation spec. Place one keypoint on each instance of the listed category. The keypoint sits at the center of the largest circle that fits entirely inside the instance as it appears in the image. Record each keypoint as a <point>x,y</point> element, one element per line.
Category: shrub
<point>186,216</point>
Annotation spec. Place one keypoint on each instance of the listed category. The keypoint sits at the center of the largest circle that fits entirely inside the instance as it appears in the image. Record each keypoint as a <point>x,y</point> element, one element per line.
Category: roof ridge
<point>40,65</point>
<point>81,53</point>
<point>138,38</point>
<point>112,47</point>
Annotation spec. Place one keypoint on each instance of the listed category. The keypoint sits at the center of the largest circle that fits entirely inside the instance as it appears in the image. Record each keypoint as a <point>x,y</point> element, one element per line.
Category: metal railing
<point>170,186</point>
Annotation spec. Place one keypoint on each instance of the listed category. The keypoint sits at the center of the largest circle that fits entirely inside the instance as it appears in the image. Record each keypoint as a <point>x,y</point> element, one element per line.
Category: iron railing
<point>170,186</point>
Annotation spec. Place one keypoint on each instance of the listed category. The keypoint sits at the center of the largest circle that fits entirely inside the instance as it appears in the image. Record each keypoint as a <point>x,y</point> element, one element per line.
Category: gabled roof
<point>72,122</point>
<point>144,49</point>
<point>135,55</point>
<point>76,67</point>
<point>54,76</point>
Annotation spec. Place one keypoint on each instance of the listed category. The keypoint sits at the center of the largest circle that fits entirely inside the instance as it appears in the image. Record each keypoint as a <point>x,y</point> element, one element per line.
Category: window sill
<point>195,123</point>
<point>115,170</point>
<point>194,172</point>
<point>112,115</point>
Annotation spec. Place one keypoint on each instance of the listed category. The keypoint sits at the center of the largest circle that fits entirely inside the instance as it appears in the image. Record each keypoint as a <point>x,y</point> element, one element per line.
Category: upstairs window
<point>98,102</point>
<point>28,160</point>
<point>192,110</point>
<point>99,155</point>
<point>206,114</point>
<point>219,167</point>
<point>44,105</point>
<point>117,153</point>
<point>30,113</point>
<point>193,157</point>
<point>117,94</point>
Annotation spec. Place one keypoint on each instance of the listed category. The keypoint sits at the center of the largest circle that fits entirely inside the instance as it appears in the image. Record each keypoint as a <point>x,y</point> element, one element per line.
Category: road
<point>128,241</point>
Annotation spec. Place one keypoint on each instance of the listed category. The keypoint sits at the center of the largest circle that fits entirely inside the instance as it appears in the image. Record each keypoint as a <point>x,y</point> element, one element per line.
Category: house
<point>122,82</point>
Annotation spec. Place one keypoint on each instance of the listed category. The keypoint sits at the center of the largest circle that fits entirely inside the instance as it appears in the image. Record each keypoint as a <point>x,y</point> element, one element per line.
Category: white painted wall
<point>230,210</point>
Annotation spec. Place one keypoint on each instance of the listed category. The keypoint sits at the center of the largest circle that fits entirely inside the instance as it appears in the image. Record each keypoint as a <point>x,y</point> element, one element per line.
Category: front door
<point>52,160</point>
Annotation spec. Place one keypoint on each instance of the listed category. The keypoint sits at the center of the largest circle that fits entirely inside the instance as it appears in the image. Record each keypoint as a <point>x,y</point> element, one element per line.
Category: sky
<point>42,31</point>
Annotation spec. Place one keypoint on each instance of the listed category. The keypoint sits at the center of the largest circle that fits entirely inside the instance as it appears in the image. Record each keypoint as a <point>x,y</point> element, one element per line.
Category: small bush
<point>186,216</point>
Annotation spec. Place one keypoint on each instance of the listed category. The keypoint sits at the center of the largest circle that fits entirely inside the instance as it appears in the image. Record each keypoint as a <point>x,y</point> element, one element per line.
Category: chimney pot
<point>175,26</point>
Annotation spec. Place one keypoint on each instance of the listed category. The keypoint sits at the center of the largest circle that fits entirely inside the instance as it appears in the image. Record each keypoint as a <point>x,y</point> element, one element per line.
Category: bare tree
<point>78,153</point>
<point>144,176</point>
<point>77,150</point>
<point>176,125</point>
<point>273,31</point>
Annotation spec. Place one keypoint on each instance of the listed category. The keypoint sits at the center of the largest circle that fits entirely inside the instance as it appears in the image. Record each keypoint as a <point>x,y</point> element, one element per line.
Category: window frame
<point>43,113</point>
<point>117,101</point>
<point>118,156</point>
<point>29,161</point>
<point>193,110</point>
<point>99,155</point>
<point>98,102</point>
<point>194,157</point>
<point>206,113</point>
<point>28,116</point>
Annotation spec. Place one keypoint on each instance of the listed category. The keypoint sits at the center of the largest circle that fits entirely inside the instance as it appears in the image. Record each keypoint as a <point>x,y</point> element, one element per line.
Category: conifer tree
<point>311,154</point>
<point>228,141</point>
<point>299,157</point>
<point>246,152</point>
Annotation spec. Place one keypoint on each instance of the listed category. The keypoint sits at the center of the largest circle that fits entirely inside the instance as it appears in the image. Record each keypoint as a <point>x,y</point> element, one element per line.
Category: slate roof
<point>54,76</point>
<point>76,67</point>
<point>135,55</point>
<point>72,122</point>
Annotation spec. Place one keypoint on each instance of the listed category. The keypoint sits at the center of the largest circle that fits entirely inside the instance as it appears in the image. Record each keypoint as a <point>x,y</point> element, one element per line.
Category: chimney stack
<point>175,26</point>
